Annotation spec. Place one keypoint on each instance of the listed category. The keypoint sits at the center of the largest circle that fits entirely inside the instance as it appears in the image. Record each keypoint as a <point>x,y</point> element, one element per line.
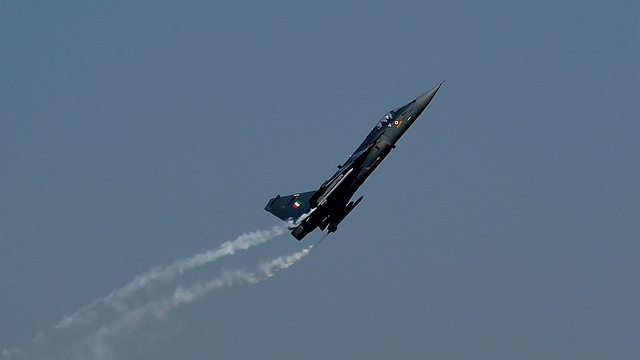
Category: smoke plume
<point>98,330</point>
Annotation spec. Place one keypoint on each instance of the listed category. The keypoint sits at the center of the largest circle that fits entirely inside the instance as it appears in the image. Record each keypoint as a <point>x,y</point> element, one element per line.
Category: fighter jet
<point>327,206</point>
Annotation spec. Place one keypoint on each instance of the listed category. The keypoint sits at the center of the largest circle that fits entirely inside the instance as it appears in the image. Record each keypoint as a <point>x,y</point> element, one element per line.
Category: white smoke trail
<point>100,328</point>
<point>118,297</point>
<point>235,277</point>
<point>182,295</point>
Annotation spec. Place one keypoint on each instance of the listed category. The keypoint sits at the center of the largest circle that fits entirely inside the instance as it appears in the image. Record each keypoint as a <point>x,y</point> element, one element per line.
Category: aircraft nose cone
<point>423,100</point>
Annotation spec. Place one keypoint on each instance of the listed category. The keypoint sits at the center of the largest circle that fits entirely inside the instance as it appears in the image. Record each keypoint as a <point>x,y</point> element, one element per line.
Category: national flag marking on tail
<point>296,204</point>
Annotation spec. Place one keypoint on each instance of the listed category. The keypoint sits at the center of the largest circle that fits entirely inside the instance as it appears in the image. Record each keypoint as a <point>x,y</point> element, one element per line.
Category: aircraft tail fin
<point>290,207</point>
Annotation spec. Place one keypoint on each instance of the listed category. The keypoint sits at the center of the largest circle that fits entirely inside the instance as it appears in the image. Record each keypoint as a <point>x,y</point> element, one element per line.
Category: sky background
<point>505,224</point>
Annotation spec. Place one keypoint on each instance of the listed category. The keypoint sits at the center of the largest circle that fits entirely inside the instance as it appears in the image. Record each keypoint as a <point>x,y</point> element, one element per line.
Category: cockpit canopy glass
<point>381,126</point>
<point>384,121</point>
<point>388,117</point>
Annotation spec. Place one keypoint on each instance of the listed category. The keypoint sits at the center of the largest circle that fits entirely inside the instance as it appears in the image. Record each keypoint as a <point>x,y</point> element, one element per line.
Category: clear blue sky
<point>505,225</point>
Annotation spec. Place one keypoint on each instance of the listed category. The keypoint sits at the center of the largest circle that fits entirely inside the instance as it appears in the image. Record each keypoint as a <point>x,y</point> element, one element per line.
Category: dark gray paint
<point>331,203</point>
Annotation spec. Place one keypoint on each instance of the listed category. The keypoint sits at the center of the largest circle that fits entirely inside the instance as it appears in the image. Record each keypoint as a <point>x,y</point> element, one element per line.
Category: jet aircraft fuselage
<point>327,206</point>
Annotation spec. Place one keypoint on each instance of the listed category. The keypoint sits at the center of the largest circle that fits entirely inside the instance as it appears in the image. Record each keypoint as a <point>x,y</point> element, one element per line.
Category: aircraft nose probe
<point>423,100</point>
